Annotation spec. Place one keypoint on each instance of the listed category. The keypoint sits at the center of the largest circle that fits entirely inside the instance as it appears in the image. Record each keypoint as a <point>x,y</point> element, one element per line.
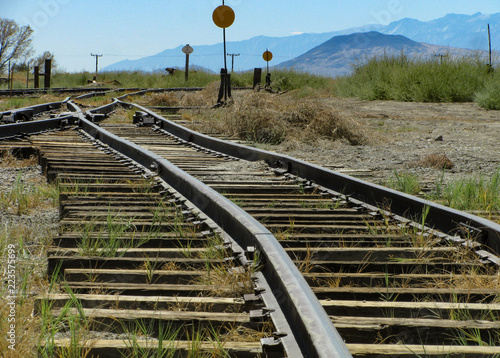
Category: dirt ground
<point>404,133</point>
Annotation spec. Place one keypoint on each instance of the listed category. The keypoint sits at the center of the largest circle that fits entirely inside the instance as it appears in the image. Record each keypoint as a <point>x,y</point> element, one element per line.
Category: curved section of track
<point>396,275</point>
<point>356,255</point>
<point>318,336</point>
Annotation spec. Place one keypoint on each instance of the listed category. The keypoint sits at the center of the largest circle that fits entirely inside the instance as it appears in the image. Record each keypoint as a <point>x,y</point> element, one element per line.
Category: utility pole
<point>441,56</point>
<point>232,62</point>
<point>96,63</point>
<point>489,46</point>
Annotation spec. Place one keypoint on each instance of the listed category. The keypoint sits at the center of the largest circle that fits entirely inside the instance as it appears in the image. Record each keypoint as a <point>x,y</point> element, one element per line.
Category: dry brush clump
<point>207,97</point>
<point>166,99</point>
<point>436,161</point>
<point>274,119</point>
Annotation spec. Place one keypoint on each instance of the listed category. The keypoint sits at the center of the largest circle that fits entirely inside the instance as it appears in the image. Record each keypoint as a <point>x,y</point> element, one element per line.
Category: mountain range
<point>452,30</point>
<point>340,54</point>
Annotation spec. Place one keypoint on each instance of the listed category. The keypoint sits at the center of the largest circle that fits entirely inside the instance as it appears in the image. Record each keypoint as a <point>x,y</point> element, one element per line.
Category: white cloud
<point>296,33</point>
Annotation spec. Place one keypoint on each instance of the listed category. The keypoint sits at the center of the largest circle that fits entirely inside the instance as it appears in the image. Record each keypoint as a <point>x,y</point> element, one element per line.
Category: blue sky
<point>131,29</point>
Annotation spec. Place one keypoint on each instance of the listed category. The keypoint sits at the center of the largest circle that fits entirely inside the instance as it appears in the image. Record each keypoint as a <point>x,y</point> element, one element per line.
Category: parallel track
<point>391,286</point>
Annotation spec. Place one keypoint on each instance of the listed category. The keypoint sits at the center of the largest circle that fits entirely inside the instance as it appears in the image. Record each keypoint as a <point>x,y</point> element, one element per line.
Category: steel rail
<point>26,113</point>
<point>22,129</point>
<point>96,94</point>
<point>313,330</point>
<point>16,130</point>
<point>173,89</point>
<point>25,91</point>
<point>440,217</point>
<point>17,92</point>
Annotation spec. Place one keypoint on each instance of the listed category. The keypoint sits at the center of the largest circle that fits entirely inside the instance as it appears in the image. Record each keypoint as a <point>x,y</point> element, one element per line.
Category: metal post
<point>36,75</point>
<point>46,78</point>
<point>224,38</point>
<point>268,80</point>
<point>28,75</point>
<point>187,67</point>
<point>228,86</point>
<point>223,21</point>
<point>257,76</point>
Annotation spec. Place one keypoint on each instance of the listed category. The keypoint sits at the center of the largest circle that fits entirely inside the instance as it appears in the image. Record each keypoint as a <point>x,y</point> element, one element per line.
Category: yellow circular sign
<point>223,16</point>
<point>268,56</point>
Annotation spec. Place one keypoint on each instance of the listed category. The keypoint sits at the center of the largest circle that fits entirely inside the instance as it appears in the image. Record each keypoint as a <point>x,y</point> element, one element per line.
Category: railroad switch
<point>17,116</point>
<point>95,117</point>
<point>141,118</point>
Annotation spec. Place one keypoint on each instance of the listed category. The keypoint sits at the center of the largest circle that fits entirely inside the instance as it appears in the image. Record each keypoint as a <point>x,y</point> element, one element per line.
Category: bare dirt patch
<point>404,134</point>
<point>435,141</point>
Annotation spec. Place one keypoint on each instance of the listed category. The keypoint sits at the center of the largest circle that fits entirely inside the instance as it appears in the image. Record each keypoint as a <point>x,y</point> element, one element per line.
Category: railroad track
<point>405,280</point>
<point>131,253</point>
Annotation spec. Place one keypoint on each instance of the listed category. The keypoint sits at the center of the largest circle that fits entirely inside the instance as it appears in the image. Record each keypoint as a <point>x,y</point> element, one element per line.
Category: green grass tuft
<point>402,78</point>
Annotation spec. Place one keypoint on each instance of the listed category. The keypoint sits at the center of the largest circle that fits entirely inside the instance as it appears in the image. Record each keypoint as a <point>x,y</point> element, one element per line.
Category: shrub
<point>475,193</point>
<point>436,161</point>
<point>403,79</point>
<point>489,96</point>
<point>272,119</point>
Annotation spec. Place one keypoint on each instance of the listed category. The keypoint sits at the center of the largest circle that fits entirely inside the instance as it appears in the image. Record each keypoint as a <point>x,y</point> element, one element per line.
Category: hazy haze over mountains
<point>459,31</point>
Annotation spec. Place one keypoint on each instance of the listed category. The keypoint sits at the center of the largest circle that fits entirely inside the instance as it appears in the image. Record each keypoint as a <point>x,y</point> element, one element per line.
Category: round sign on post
<point>268,56</point>
<point>187,49</point>
<point>223,16</point>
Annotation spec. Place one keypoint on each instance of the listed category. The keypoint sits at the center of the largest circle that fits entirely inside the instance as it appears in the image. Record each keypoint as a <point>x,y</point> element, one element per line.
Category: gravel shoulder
<point>403,133</point>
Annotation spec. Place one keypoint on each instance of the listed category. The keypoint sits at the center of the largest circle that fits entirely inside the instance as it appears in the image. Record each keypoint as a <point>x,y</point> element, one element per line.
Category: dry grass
<point>25,197</point>
<point>228,280</point>
<point>244,334</point>
<point>471,279</point>
<point>204,98</point>
<point>8,160</point>
<point>434,160</point>
<point>273,119</point>
<point>8,103</point>
<point>30,281</point>
<point>26,327</point>
<point>29,235</point>
<point>167,99</point>
<point>121,115</point>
